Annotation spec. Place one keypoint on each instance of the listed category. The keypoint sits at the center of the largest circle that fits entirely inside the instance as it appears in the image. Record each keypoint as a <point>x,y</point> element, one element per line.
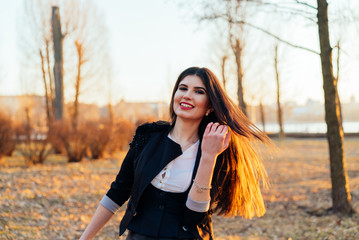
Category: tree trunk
<point>279,107</point>
<point>263,117</point>
<point>51,79</point>
<point>28,125</point>
<point>80,54</point>
<point>47,99</point>
<point>340,190</point>
<point>58,67</point>
<point>336,82</point>
<point>237,50</point>
<point>223,67</point>
<point>110,112</point>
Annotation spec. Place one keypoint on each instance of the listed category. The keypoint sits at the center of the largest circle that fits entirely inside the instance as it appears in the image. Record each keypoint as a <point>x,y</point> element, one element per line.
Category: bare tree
<point>81,61</point>
<point>89,39</point>
<point>319,15</point>
<point>49,113</point>
<point>262,116</point>
<point>58,67</point>
<point>236,41</point>
<point>340,189</point>
<point>36,45</point>
<point>237,48</point>
<point>227,10</point>
<point>80,35</point>
<point>337,79</point>
<point>279,107</point>
<point>223,70</point>
<point>109,74</point>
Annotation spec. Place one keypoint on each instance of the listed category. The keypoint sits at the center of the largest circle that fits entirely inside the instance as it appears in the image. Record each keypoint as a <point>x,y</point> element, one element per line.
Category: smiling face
<point>191,100</point>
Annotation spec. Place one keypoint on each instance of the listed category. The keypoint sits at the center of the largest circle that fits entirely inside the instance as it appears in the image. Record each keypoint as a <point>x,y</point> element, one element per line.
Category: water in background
<point>316,127</point>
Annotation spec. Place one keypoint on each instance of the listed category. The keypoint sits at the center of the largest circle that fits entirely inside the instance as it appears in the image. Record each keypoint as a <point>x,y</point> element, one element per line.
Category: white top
<point>177,175</point>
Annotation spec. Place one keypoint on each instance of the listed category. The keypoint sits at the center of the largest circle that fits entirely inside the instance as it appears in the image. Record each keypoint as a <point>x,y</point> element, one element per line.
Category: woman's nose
<point>187,95</point>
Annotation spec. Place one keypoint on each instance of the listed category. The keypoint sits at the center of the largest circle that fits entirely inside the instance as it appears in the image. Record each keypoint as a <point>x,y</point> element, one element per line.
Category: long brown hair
<point>238,190</point>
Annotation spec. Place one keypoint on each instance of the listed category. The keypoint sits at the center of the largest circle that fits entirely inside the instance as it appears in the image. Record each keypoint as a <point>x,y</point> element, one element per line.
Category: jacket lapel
<point>158,152</point>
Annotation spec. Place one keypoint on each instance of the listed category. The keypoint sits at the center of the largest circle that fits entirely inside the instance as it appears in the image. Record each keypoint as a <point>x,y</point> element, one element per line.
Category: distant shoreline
<point>309,129</point>
<point>309,135</point>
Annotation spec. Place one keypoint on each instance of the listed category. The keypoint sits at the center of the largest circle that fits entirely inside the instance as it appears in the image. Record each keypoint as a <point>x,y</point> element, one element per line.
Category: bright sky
<point>151,42</point>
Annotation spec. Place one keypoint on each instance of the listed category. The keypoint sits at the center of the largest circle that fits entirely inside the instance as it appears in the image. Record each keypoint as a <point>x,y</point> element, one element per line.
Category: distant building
<point>312,111</point>
<point>134,111</point>
<point>14,107</point>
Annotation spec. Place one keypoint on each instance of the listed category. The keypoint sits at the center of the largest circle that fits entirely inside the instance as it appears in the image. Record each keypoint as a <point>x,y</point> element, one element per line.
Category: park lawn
<point>56,200</point>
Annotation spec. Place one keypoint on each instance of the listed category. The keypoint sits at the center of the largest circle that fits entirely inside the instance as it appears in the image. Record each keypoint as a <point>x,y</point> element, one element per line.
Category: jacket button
<point>134,214</point>
<point>185,228</point>
<point>161,207</point>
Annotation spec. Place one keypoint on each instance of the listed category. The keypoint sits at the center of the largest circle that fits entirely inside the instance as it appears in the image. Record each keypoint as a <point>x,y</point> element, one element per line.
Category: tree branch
<point>276,37</point>
<point>311,19</point>
<point>306,4</point>
<point>230,20</point>
<point>287,8</point>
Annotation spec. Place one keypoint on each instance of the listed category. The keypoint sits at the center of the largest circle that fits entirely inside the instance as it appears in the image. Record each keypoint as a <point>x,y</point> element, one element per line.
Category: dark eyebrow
<point>201,88</point>
<point>182,84</point>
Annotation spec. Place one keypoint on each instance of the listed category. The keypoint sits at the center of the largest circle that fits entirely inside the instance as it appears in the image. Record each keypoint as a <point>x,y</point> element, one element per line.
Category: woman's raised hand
<point>215,139</point>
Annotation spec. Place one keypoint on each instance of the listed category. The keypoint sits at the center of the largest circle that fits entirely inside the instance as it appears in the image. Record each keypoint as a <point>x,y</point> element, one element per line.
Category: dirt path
<point>56,200</point>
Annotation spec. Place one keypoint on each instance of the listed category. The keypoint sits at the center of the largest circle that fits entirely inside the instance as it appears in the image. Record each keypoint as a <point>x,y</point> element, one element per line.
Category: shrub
<point>145,119</point>
<point>7,133</point>
<point>99,134</point>
<point>34,145</point>
<point>74,141</point>
<point>122,133</point>
<point>54,137</point>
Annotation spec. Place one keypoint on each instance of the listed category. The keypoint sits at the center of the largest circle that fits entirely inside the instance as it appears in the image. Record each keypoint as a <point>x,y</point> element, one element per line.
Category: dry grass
<point>299,196</point>
<point>57,200</point>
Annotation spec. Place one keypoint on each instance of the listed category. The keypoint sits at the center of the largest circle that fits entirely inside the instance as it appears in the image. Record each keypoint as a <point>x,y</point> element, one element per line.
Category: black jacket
<point>150,151</point>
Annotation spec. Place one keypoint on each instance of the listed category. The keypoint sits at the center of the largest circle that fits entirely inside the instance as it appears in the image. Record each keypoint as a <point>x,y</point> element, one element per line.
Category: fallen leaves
<point>299,196</point>
<point>57,200</point>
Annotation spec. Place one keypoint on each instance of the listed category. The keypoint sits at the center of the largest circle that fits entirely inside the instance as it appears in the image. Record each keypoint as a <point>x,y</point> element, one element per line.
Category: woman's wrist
<point>208,158</point>
<point>201,188</point>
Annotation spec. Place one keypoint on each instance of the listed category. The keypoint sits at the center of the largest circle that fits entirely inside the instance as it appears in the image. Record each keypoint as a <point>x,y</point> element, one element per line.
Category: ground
<point>56,200</point>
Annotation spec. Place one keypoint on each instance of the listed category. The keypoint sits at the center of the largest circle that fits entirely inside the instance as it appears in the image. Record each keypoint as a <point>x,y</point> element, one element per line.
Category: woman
<point>177,174</point>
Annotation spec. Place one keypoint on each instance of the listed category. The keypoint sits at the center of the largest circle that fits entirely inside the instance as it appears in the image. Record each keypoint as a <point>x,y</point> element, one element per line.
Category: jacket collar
<point>158,152</point>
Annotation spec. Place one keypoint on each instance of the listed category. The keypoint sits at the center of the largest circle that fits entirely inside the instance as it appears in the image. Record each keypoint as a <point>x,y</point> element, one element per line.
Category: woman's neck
<point>185,132</point>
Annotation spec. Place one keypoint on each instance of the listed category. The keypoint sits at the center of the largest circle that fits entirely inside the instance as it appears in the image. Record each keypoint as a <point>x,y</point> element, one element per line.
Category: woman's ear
<point>209,110</point>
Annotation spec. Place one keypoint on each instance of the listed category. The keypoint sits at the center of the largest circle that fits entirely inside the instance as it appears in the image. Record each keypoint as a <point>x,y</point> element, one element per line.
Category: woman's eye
<point>200,92</point>
<point>182,88</point>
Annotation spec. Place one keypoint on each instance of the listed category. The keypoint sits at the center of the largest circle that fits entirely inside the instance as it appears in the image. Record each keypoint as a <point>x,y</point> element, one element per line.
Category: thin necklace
<point>182,147</point>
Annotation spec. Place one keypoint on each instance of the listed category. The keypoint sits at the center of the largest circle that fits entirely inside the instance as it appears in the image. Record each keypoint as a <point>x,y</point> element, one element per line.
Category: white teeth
<point>185,105</point>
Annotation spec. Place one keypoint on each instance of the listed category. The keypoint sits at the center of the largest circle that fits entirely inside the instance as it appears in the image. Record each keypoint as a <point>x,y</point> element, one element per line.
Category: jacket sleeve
<point>194,218</point>
<point>120,189</point>
<point>198,223</point>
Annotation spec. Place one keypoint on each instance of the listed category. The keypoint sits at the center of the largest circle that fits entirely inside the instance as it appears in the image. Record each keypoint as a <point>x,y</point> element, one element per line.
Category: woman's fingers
<point>225,129</point>
<point>228,137</point>
<point>216,138</point>
<point>208,128</point>
<point>216,129</point>
<point>222,129</point>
